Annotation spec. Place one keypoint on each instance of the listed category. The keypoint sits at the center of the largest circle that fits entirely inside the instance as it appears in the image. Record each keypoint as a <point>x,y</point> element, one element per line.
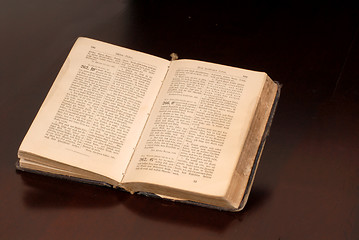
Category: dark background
<point>307,185</point>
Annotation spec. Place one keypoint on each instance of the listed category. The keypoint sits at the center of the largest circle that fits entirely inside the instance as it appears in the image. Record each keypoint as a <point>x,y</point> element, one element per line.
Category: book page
<point>97,107</point>
<point>197,128</point>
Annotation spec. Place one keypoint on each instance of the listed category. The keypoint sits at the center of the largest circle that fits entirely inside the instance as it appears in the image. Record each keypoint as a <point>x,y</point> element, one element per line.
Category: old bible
<point>183,130</point>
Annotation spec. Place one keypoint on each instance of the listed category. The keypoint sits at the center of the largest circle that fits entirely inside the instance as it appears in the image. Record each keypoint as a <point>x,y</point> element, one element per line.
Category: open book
<point>184,130</point>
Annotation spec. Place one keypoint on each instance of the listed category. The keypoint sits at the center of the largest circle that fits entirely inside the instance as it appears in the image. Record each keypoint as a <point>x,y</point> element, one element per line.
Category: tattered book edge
<point>260,148</point>
<point>65,177</point>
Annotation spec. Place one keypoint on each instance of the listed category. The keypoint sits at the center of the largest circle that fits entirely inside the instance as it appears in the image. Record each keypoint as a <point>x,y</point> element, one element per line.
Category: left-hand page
<point>96,109</point>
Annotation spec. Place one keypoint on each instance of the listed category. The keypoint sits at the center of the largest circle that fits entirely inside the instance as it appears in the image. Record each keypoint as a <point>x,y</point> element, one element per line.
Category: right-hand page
<point>197,127</point>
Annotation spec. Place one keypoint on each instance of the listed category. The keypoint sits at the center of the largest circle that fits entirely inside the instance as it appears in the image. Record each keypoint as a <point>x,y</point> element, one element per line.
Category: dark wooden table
<point>307,185</point>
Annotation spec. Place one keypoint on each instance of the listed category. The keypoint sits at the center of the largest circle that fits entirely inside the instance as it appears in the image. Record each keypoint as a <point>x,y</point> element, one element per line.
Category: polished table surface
<point>307,184</point>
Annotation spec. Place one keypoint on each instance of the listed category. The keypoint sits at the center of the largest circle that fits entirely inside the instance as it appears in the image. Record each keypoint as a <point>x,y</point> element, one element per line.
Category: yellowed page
<point>197,128</point>
<point>97,107</point>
